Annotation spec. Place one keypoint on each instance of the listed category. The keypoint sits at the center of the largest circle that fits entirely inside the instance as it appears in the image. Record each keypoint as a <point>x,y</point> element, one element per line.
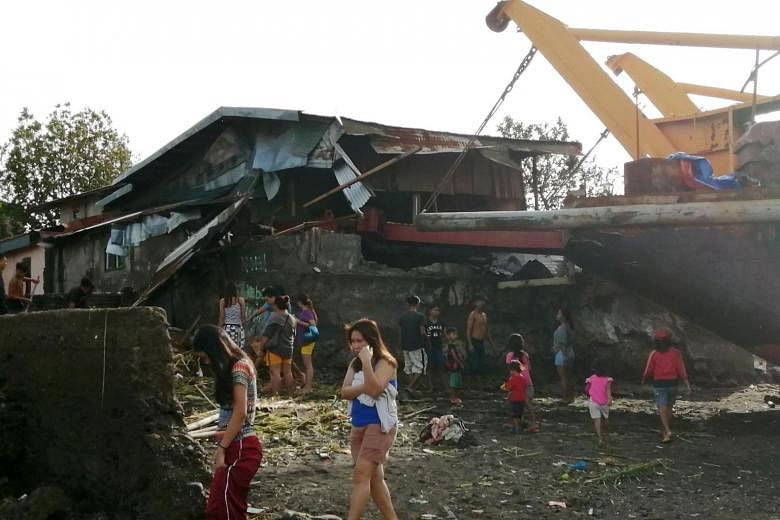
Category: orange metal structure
<point>683,127</point>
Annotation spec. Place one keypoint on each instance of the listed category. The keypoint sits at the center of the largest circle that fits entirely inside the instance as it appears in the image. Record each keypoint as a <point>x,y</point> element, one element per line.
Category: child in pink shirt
<point>599,390</point>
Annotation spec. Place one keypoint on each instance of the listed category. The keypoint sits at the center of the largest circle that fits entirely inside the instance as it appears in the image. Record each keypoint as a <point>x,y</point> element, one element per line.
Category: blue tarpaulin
<point>702,173</point>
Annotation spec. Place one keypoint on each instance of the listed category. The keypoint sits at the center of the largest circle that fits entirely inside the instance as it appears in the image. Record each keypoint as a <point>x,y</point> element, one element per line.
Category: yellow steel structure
<point>663,91</point>
<point>668,96</point>
<point>721,93</point>
<point>684,127</point>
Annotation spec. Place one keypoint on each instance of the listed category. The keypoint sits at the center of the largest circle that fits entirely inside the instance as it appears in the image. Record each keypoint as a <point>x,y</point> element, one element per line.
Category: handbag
<point>311,335</point>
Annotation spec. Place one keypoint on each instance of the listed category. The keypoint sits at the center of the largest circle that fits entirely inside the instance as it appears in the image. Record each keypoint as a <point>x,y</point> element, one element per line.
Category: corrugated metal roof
<point>396,140</point>
<point>384,138</point>
<point>22,241</point>
<point>244,112</point>
<point>345,170</point>
<point>72,198</point>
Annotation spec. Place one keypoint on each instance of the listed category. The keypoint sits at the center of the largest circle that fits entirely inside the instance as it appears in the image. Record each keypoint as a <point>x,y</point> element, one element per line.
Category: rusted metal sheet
<point>396,140</point>
<point>650,175</point>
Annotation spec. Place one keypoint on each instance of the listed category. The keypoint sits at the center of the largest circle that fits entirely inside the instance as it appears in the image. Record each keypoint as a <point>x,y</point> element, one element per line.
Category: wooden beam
<point>361,177</point>
<point>640,215</point>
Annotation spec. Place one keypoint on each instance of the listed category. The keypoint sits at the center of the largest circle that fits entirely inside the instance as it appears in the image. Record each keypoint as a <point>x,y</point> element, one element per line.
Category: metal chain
<point>519,72</point>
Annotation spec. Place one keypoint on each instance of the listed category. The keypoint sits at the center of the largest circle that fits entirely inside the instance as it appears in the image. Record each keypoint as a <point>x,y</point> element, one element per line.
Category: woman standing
<point>277,345</point>
<point>665,366</point>
<point>371,385</point>
<point>563,350</point>
<point>239,451</point>
<point>232,309</point>
<point>307,317</point>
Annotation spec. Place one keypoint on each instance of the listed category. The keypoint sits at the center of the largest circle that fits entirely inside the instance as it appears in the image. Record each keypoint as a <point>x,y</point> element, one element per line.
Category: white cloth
<point>385,404</point>
<point>597,411</point>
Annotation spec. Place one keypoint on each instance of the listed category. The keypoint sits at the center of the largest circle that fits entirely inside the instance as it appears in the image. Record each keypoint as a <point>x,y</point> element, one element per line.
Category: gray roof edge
<point>249,112</point>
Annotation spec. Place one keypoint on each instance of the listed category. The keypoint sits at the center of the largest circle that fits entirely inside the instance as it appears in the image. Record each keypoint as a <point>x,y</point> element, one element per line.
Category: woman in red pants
<point>239,451</point>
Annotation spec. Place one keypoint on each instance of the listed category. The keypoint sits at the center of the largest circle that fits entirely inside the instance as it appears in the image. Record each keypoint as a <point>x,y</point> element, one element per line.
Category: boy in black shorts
<point>516,386</point>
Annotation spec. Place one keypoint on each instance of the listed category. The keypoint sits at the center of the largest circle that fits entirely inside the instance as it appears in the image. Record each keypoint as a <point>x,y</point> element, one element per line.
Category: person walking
<point>599,389</point>
<point>437,362</point>
<point>563,351</point>
<point>276,343</point>
<point>666,368</point>
<point>307,317</point>
<point>413,342</point>
<point>477,333</point>
<point>517,352</point>
<point>232,310</point>
<point>239,452</point>
<point>371,386</point>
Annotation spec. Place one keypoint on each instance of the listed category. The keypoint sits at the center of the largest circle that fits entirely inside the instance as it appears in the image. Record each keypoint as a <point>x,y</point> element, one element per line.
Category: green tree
<point>71,153</point>
<point>9,225</point>
<point>556,174</point>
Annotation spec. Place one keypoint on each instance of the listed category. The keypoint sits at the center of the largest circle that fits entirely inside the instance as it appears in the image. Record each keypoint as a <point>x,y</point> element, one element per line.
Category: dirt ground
<point>723,462</point>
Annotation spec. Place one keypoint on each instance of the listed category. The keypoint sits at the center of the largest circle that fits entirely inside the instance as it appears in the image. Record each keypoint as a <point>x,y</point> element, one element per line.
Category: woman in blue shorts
<point>563,350</point>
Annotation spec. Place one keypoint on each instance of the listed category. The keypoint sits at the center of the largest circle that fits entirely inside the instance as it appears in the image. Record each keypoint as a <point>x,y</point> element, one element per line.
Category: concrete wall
<point>88,406</point>
<point>84,208</point>
<point>611,322</point>
<point>85,256</point>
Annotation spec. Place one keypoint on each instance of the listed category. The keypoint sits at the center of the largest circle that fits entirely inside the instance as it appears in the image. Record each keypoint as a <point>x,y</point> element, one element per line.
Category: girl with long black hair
<point>239,452</point>
<point>369,375</point>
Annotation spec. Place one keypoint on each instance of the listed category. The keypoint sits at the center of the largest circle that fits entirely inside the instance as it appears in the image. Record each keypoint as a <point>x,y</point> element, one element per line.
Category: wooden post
<point>535,179</point>
<point>638,215</point>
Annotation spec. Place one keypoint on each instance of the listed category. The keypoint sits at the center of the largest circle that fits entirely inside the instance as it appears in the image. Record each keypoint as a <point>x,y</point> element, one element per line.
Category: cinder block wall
<point>93,411</point>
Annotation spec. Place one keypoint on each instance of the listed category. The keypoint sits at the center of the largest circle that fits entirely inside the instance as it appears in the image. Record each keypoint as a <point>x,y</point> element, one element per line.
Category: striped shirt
<point>233,314</point>
<point>243,374</point>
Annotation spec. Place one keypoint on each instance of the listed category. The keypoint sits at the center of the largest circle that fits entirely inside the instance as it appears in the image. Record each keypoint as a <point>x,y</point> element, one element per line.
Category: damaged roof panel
<point>396,140</point>
<point>238,112</point>
<point>187,249</point>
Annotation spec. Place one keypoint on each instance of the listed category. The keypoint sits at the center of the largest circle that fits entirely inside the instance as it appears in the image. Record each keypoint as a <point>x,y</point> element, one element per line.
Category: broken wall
<point>611,323</point>
<point>85,255</point>
<point>88,406</point>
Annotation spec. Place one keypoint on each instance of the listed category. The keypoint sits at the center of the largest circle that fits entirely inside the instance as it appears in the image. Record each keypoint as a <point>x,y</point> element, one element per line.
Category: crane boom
<point>564,51</point>
<point>683,127</point>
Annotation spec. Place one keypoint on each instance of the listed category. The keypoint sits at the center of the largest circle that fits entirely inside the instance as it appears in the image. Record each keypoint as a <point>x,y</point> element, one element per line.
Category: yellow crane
<point>683,127</point>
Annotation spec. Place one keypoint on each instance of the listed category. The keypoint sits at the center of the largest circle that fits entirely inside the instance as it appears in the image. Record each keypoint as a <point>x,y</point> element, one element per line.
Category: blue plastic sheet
<point>702,170</point>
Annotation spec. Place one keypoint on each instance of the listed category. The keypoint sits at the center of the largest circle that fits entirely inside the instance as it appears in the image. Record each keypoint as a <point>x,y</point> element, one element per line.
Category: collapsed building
<point>326,205</point>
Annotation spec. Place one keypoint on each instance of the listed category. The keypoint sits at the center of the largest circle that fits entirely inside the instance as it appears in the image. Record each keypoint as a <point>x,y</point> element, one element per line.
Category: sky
<point>159,67</point>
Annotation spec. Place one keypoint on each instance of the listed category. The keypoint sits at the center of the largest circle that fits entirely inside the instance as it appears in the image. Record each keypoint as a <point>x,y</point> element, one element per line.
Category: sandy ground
<point>723,463</point>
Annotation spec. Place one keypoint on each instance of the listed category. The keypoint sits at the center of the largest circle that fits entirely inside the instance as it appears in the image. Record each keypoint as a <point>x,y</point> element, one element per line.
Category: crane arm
<point>719,41</point>
<point>662,90</point>
<point>721,93</point>
<point>605,98</point>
